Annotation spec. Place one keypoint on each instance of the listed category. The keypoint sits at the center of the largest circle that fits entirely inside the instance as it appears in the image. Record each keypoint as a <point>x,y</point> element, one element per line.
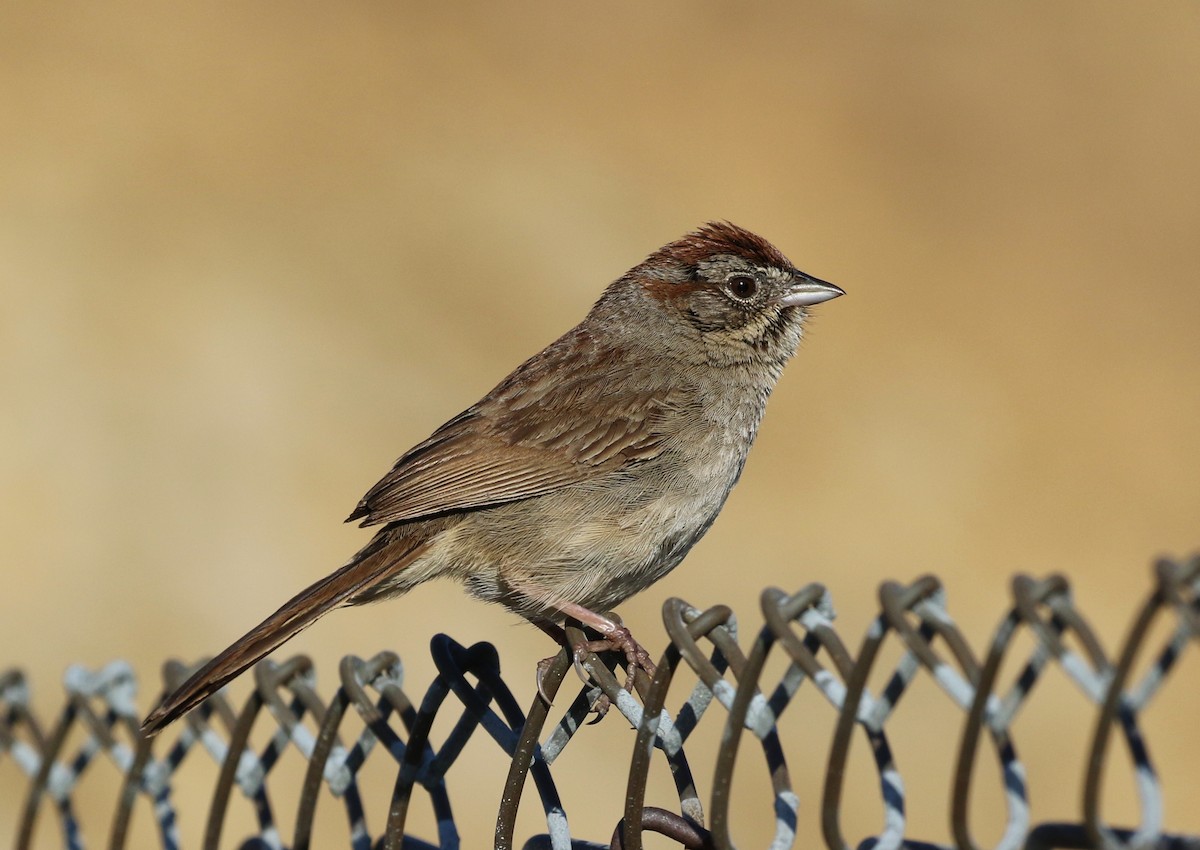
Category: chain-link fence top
<point>97,729</point>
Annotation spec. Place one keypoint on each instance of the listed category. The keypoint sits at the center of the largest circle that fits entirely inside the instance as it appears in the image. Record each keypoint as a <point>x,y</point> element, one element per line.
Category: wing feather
<point>548,425</point>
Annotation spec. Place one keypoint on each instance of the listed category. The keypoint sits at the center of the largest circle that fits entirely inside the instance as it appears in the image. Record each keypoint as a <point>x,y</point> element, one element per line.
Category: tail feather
<point>374,563</point>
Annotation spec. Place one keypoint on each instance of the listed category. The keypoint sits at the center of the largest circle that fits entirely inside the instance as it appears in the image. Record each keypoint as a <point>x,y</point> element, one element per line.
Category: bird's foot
<point>617,639</point>
<point>614,638</point>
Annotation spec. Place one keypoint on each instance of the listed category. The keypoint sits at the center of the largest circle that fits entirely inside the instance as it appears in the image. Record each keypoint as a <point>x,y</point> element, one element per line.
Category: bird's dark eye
<point>742,286</point>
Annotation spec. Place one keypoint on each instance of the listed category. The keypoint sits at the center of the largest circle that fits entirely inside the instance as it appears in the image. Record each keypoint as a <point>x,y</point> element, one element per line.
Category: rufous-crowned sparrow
<point>588,473</point>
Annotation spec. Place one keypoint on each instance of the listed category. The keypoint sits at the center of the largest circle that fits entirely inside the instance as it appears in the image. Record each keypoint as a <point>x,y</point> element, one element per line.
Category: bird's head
<point>727,295</point>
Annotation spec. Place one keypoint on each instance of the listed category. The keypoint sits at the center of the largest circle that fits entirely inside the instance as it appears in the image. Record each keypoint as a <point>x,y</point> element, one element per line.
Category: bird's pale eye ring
<point>742,286</point>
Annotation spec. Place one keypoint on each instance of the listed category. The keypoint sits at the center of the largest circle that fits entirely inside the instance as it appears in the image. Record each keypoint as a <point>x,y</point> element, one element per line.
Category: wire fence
<point>100,711</point>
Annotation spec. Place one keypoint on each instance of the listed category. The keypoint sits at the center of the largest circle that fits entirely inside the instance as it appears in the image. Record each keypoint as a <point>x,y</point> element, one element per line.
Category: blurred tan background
<point>249,254</point>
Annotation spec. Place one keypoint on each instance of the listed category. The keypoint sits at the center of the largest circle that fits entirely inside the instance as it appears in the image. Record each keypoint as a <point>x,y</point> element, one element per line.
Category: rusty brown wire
<point>703,649</point>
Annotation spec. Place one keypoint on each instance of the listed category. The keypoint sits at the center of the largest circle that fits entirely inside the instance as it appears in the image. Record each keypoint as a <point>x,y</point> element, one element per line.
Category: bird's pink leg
<point>616,638</point>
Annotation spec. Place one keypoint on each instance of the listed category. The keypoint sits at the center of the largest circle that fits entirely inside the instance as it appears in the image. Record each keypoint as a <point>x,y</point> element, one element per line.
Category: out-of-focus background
<point>249,254</point>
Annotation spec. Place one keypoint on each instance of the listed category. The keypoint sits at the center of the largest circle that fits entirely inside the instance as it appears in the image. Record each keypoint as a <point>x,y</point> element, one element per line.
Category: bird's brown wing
<point>549,425</point>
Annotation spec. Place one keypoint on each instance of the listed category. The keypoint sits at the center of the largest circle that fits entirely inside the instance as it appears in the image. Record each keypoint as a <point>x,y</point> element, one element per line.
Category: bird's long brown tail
<point>379,559</point>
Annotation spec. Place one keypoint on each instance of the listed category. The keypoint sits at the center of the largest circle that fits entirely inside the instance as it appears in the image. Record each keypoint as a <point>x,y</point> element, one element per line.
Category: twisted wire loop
<point>100,711</point>
<point>21,738</point>
<point>1177,589</point>
<point>102,706</point>
<point>857,706</point>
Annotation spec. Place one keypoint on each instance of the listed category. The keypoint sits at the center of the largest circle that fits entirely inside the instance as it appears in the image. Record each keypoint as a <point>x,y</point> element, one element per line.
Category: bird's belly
<point>598,543</point>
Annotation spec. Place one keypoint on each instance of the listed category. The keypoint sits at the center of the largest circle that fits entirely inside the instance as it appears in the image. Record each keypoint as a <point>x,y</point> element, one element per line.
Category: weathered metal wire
<point>101,715</point>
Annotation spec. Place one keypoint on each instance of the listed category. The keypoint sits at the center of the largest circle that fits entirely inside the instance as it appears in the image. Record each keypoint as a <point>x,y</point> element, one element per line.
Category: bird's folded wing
<point>483,457</point>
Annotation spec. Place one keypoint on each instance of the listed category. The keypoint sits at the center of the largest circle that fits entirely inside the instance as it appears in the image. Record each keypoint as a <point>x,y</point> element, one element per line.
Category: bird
<point>590,471</point>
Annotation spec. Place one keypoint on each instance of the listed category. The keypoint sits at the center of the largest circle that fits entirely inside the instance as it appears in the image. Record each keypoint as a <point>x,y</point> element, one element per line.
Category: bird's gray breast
<point>673,504</point>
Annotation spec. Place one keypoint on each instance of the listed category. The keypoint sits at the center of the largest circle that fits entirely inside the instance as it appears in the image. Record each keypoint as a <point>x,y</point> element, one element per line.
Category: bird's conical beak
<point>806,291</point>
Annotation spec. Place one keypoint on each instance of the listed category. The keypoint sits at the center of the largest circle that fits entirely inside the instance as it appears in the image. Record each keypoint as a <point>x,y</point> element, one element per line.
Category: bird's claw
<point>618,640</point>
<point>543,667</point>
<point>602,703</point>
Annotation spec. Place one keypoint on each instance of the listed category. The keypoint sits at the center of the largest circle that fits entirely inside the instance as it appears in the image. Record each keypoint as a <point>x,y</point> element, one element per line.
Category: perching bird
<point>589,472</point>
